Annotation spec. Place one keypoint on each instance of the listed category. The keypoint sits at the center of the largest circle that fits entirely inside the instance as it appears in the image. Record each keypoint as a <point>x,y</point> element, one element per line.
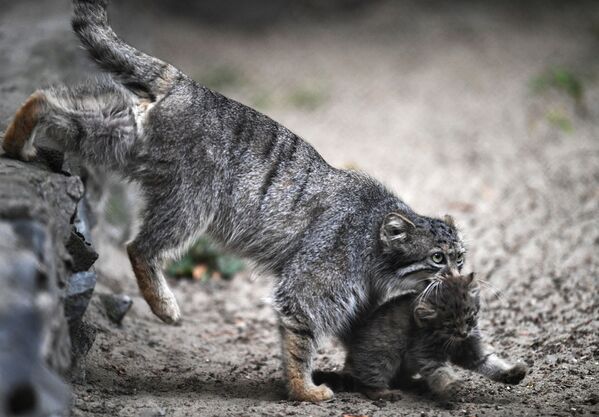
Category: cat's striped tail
<point>144,75</point>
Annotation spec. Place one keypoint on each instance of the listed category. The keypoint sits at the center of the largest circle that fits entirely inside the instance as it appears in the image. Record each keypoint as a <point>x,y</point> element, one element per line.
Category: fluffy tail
<point>144,75</point>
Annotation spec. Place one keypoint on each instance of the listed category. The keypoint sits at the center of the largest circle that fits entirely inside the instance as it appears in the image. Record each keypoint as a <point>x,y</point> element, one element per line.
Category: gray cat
<point>419,334</point>
<point>338,243</point>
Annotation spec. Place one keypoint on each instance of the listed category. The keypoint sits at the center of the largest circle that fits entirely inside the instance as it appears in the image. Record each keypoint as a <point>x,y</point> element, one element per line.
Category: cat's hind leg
<point>95,121</point>
<point>19,136</point>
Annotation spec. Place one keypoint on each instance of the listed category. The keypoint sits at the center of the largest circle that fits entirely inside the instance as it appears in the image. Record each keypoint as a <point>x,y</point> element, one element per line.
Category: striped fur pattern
<point>337,242</point>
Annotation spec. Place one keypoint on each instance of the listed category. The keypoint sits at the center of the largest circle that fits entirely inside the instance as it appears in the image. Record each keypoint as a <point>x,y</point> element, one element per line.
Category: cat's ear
<point>449,220</point>
<point>424,312</point>
<point>395,230</point>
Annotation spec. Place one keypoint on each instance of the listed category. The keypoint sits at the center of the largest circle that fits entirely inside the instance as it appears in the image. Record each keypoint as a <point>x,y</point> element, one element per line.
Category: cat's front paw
<point>167,309</point>
<point>314,394</point>
<point>515,374</point>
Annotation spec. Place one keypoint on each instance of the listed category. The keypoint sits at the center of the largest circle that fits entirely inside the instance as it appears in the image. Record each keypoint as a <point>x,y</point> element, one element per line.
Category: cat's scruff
<point>419,334</point>
<point>338,243</point>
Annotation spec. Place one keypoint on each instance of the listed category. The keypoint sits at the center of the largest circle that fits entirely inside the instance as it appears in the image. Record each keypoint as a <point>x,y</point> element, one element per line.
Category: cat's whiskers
<point>422,296</point>
<point>495,293</point>
<point>437,286</point>
<point>494,290</point>
<point>428,290</point>
<point>449,344</point>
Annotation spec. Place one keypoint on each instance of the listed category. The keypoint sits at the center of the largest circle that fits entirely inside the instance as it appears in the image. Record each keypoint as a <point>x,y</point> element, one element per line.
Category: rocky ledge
<point>46,280</point>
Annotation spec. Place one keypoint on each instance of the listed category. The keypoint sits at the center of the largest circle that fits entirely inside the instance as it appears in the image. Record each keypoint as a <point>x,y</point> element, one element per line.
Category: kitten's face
<point>449,306</point>
<point>421,244</point>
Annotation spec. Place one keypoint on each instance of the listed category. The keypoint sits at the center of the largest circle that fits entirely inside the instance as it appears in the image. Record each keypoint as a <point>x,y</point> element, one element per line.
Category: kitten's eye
<point>460,259</point>
<point>471,322</point>
<point>438,258</point>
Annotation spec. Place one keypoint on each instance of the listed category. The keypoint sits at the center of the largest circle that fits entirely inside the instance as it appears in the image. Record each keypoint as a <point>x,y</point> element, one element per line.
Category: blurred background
<point>486,110</point>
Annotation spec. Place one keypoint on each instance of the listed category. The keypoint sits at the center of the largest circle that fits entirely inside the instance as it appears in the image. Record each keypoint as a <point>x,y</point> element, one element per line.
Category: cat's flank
<point>338,243</point>
<point>421,334</point>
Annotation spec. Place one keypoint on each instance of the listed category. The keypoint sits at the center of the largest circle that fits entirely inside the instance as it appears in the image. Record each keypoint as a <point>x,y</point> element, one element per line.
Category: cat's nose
<point>463,334</point>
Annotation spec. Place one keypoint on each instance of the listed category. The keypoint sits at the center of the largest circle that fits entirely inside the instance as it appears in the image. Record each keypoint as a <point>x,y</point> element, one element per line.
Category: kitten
<point>338,243</point>
<point>419,334</point>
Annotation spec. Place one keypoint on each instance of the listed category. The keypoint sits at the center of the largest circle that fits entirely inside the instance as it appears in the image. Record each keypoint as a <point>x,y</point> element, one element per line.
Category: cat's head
<point>449,306</point>
<point>413,244</point>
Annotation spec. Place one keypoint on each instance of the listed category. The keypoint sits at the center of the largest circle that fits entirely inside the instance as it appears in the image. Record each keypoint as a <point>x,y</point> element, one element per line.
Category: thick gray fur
<point>421,333</point>
<point>338,242</point>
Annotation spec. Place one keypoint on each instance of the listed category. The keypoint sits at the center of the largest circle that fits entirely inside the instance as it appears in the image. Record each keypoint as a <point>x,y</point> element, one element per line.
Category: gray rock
<point>38,205</point>
<point>116,306</point>
<point>82,253</point>
<point>83,336</point>
<point>27,387</point>
<point>79,293</point>
<point>83,220</point>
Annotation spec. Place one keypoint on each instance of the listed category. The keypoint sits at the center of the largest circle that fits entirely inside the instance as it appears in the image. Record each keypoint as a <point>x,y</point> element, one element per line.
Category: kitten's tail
<point>144,75</point>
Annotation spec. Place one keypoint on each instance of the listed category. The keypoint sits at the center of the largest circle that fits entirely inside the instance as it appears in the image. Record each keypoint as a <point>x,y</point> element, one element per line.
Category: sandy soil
<point>435,101</point>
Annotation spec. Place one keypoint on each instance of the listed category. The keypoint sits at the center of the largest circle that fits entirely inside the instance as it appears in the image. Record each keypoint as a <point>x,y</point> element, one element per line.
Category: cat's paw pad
<point>515,374</point>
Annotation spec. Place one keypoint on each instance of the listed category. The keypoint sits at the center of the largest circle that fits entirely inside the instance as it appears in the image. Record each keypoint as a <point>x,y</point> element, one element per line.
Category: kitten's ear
<point>395,229</point>
<point>424,312</point>
<point>449,220</point>
<point>472,284</point>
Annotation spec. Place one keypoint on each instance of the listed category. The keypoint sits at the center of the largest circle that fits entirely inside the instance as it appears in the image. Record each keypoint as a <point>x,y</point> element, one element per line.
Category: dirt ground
<point>437,101</point>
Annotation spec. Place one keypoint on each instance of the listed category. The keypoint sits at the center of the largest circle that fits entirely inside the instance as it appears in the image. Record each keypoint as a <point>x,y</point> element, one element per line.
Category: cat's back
<point>265,185</point>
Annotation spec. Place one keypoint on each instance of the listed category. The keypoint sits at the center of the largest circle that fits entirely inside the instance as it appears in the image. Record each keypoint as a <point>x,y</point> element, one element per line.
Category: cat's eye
<point>438,258</point>
<point>460,259</point>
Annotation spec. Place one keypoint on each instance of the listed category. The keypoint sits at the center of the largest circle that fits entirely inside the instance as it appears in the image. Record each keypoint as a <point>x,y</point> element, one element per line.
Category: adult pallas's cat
<point>421,334</point>
<point>337,242</point>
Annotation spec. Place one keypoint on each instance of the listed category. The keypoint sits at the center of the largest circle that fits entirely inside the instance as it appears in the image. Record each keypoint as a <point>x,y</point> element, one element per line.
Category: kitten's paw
<point>444,383</point>
<point>450,391</point>
<point>515,374</point>
<point>313,394</point>
<point>385,394</point>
